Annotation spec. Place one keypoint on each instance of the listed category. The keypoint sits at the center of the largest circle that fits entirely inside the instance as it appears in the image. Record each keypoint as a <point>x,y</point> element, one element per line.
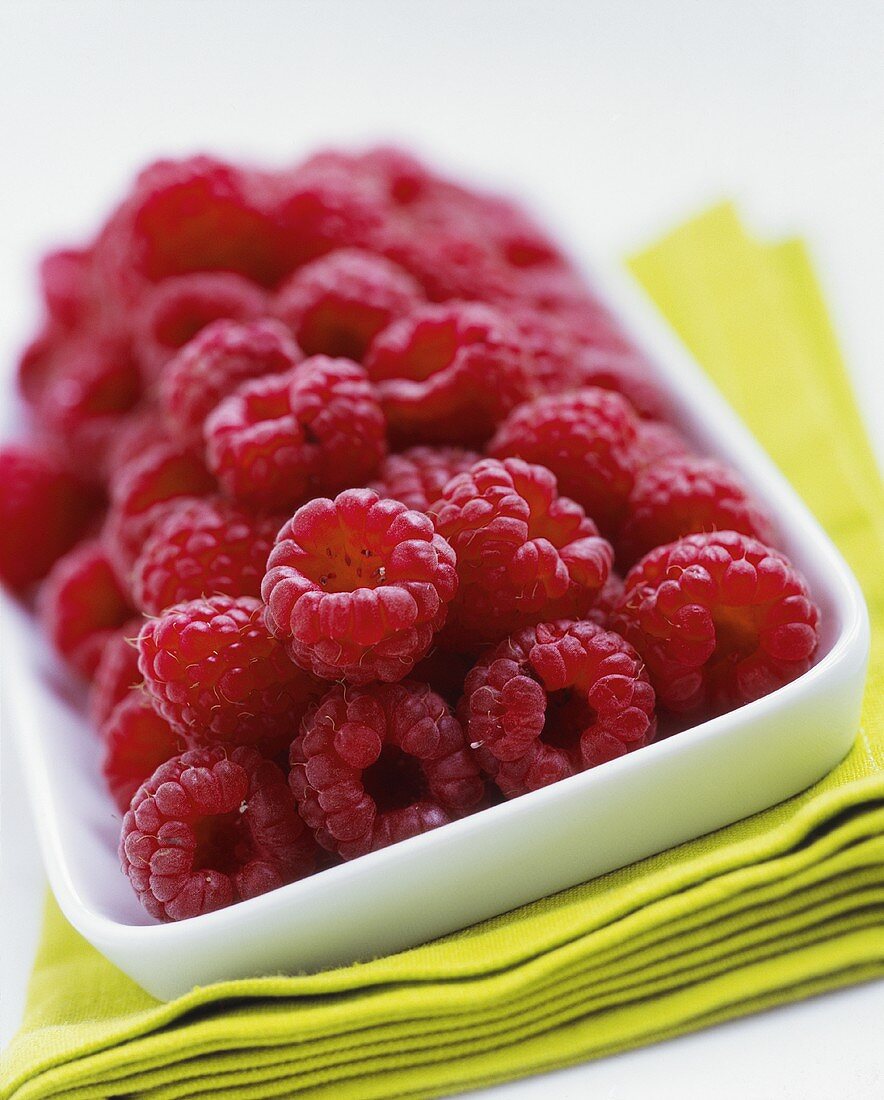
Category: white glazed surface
<point>567,833</point>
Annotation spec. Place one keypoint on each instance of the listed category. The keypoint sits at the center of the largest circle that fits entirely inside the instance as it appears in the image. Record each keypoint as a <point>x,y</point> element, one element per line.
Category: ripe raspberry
<point>418,476</point>
<point>38,359</point>
<point>211,827</point>
<point>65,284</point>
<point>140,495</point>
<point>94,386</point>
<point>82,605</point>
<point>448,373</point>
<point>210,367</point>
<point>626,373</point>
<point>43,511</point>
<point>176,310</point>
<point>136,742</point>
<point>685,496</point>
<point>216,674</point>
<point>282,439</point>
<point>524,554</point>
<point>139,432</point>
<point>656,442</point>
<point>720,619</point>
<point>554,700</point>
<point>202,547</point>
<point>336,305</point>
<point>587,439</point>
<point>379,764</point>
<point>357,586</point>
<point>117,672</point>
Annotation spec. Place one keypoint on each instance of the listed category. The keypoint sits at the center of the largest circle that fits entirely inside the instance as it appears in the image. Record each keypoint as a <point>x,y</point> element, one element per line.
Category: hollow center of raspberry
<point>217,840</point>
<point>568,714</point>
<point>344,567</point>
<point>338,329</point>
<point>736,632</point>
<point>395,780</point>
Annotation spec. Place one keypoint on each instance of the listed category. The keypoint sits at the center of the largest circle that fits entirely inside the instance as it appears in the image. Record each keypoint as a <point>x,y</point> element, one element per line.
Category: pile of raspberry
<point>359,512</point>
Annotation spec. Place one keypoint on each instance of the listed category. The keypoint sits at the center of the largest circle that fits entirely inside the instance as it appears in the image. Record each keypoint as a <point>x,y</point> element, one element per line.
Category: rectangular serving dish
<point>639,804</point>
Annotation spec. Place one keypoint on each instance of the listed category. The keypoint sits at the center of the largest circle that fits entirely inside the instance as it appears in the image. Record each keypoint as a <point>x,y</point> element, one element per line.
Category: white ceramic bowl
<point>569,832</point>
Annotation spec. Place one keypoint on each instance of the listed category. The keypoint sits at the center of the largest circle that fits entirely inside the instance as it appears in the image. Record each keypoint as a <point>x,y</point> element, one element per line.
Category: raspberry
<point>216,674</point>
<point>178,309</point>
<point>625,373</point>
<point>161,474</point>
<point>554,700</point>
<point>211,366</point>
<point>720,619</point>
<point>283,439</point>
<point>586,438</point>
<point>685,496</point>
<point>117,672</point>
<point>94,385</point>
<point>448,373</point>
<point>38,359</point>
<point>336,305</point>
<point>202,547</point>
<point>43,511</point>
<point>82,605</point>
<point>524,554</point>
<point>418,476</point>
<point>209,828</point>
<point>376,765</point>
<point>140,431</point>
<point>65,278</point>
<point>656,442</point>
<point>136,742</point>
<point>357,587</point>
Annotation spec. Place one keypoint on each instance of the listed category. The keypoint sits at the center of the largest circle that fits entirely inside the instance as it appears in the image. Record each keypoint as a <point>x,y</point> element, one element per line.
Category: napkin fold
<point>781,906</point>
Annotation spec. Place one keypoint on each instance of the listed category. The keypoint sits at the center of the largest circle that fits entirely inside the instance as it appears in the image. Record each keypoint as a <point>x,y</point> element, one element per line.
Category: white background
<point>616,119</point>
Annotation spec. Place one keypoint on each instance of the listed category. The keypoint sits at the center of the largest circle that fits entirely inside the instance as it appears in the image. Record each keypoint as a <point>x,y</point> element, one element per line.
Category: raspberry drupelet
<point>211,827</point>
<point>202,547</point>
<point>337,304</point>
<point>217,675</point>
<point>418,476</point>
<point>720,619</point>
<point>136,742</point>
<point>686,496</point>
<point>656,441</point>
<point>357,586</point>
<point>82,605</point>
<point>553,700</point>
<point>117,672</point>
<point>449,373</point>
<point>214,363</point>
<point>379,764</point>
<point>587,438</point>
<point>282,439</point>
<point>43,511</point>
<point>524,553</point>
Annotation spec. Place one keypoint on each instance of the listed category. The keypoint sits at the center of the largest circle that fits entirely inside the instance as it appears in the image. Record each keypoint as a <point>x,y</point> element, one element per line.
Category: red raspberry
<point>140,494</point>
<point>37,361</point>
<point>448,373</point>
<point>656,442</point>
<point>418,476</point>
<point>587,439</point>
<point>315,429</point>
<point>357,587</point>
<point>211,827</point>
<point>65,284</point>
<point>626,373</point>
<point>202,547</point>
<point>139,432</point>
<point>136,742</point>
<point>43,511</point>
<point>684,496</point>
<point>216,674</point>
<point>117,672</point>
<point>176,310</point>
<point>218,359</point>
<point>720,619</point>
<point>336,305</point>
<point>524,553</point>
<point>554,700</point>
<point>379,764</point>
<point>93,388</point>
<point>82,605</point>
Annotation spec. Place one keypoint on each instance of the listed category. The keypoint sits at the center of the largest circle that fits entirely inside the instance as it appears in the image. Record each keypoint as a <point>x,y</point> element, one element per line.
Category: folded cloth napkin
<point>780,906</point>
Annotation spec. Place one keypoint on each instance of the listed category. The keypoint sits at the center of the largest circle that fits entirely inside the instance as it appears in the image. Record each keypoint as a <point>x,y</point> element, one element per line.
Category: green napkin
<point>780,906</point>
